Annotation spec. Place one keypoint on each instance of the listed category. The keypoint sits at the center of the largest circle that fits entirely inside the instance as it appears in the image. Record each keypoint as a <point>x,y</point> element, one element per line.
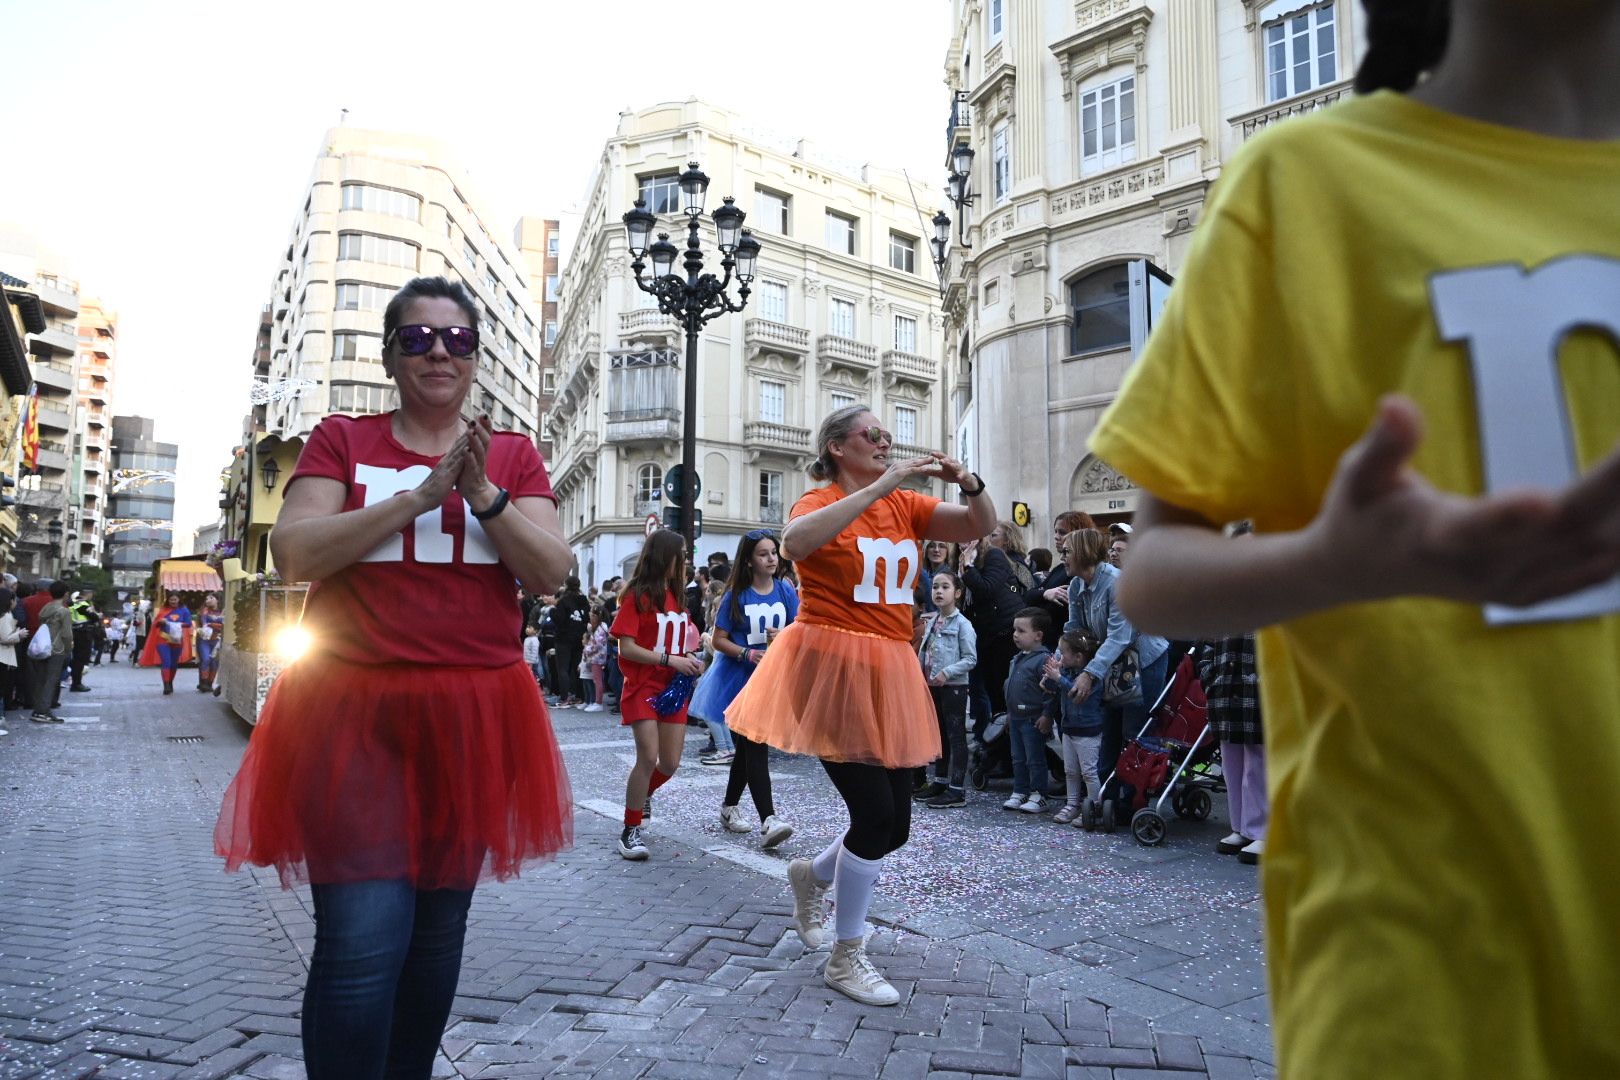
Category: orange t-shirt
<point>863,579</point>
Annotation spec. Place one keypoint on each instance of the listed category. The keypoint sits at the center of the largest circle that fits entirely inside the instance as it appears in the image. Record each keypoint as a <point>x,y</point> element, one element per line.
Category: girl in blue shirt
<point>750,615</point>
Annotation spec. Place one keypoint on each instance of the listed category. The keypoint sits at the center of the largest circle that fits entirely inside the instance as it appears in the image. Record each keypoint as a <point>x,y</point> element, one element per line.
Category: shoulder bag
<point>1123,686</point>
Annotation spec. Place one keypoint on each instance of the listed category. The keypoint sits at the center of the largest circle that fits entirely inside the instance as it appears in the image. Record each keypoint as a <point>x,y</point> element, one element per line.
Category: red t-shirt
<point>660,630</point>
<point>436,593</point>
<point>862,579</point>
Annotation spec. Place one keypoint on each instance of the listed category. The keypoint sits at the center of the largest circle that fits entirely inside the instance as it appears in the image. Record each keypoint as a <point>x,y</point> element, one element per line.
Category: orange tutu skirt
<point>840,695</point>
<point>440,776</point>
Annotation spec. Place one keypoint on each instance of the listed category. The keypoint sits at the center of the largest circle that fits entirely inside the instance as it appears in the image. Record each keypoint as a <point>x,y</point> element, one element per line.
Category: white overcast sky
<point>162,148</point>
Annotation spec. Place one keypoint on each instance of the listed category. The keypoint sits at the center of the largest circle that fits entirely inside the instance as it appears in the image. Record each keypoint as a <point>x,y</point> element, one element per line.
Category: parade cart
<point>263,638</point>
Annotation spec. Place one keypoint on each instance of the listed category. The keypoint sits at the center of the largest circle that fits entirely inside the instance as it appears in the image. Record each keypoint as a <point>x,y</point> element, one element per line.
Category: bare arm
<point>808,532</point>
<point>955,523</point>
<point>1382,531</point>
<point>721,638</point>
<point>685,665</point>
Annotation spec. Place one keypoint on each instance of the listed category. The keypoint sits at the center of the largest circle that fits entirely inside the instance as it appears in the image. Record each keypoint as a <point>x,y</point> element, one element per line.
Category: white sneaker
<point>1034,804</point>
<point>593,707</point>
<point>631,845</point>
<point>1016,802</point>
<point>776,830</point>
<point>719,757</point>
<point>809,903</point>
<point>1231,844</point>
<point>1252,854</point>
<point>732,818</point>
<point>850,973</point>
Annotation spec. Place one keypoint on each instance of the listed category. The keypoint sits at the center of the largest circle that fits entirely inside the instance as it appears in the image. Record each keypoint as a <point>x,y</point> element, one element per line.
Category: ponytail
<point>1404,39</point>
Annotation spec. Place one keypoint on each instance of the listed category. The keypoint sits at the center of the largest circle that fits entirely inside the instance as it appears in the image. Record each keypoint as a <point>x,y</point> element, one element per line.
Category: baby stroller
<point>1174,760</point>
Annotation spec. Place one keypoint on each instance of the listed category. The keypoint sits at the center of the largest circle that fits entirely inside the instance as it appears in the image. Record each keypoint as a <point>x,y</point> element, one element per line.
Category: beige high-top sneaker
<point>809,903</point>
<point>850,973</point>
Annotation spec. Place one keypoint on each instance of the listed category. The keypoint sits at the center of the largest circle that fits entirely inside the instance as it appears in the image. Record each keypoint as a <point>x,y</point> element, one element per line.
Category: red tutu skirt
<point>440,776</point>
<point>841,695</point>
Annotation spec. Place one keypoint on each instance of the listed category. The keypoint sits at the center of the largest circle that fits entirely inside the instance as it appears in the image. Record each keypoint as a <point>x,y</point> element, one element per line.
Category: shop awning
<point>198,579</point>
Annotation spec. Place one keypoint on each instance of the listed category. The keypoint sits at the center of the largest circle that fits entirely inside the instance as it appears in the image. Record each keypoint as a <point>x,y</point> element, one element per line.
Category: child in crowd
<point>1080,724</point>
<point>596,655</point>
<point>531,652</point>
<point>948,652</point>
<point>652,629</point>
<point>746,620</point>
<point>1392,344</point>
<point>1027,702</point>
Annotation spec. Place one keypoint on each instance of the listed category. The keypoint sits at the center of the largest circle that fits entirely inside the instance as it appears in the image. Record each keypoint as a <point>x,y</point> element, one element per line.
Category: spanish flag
<point>30,433</point>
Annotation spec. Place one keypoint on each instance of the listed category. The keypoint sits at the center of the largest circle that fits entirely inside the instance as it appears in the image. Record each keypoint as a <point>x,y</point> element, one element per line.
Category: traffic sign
<point>675,480</point>
<point>672,520</point>
<point>652,524</point>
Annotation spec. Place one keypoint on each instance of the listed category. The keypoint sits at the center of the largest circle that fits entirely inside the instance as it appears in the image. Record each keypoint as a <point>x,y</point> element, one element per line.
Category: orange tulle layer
<point>440,776</point>
<point>839,695</point>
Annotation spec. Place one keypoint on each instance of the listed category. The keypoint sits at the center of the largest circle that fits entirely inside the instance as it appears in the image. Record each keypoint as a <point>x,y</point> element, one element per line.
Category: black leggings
<point>750,768</point>
<point>879,802</point>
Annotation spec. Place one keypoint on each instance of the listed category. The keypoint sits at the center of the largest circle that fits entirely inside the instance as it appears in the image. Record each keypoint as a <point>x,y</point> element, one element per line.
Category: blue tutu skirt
<point>718,687</point>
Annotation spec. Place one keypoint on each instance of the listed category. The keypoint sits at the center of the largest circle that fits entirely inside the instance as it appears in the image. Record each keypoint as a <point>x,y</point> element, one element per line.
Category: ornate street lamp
<point>692,298</point>
<point>270,471</point>
<point>959,187</point>
<point>942,239</point>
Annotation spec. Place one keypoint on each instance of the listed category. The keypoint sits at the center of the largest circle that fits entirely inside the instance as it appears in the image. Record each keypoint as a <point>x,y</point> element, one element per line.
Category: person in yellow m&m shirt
<point>1393,346</point>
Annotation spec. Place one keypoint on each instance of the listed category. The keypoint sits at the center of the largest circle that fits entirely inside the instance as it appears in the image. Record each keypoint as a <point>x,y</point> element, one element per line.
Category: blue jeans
<point>721,735</point>
<point>387,960</point>
<point>1028,754</point>
<point>1125,721</point>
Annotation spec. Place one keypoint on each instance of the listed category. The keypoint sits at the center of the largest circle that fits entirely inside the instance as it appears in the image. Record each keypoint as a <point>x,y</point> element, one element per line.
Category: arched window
<point>649,488</point>
<point>1100,304</point>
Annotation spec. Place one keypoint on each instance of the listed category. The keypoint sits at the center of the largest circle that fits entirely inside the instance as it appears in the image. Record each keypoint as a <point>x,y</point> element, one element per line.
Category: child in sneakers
<point>1080,723</point>
<point>531,651</point>
<point>596,652</point>
<point>948,652</point>
<point>1027,701</point>
<point>654,646</point>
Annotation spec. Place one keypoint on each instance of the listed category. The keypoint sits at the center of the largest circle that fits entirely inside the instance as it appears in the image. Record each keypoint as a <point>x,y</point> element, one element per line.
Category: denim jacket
<point>950,647</point>
<point>1026,697</point>
<point>1085,718</point>
<point>1092,608</point>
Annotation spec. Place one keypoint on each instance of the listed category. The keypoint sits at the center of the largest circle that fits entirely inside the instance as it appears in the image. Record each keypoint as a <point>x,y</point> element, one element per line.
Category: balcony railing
<point>768,334</point>
<point>771,436</point>
<point>838,350</point>
<point>648,322</point>
<point>959,127</point>
<point>906,451</point>
<point>1247,125</point>
<point>912,367</point>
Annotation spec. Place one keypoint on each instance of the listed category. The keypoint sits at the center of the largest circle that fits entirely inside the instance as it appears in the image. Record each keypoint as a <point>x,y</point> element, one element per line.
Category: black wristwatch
<point>980,491</point>
<point>504,496</point>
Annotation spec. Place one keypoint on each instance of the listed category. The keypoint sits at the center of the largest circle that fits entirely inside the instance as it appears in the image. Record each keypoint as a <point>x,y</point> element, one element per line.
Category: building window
<point>649,488</point>
<point>905,333</point>
<point>771,210</point>
<point>379,200</point>
<point>1108,125</point>
<point>905,425</point>
<point>382,250</point>
<point>471,254</point>
<point>662,192</point>
<point>363,296</point>
<point>357,397</point>
<point>770,497</point>
<point>840,233</point>
<point>902,252</point>
<point>773,402</point>
<point>548,382</point>
<point>551,333</point>
<point>998,19</point>
<point>347,345</point>
<point>1000,164</point>
<point>841,317</point>
<point>1100,303</point>
<point>553,287</point>
<point>992,293</point>
<point>841,400</point>
<point>553,243</point>
<point>773,301</point>
<point>1300,53</point>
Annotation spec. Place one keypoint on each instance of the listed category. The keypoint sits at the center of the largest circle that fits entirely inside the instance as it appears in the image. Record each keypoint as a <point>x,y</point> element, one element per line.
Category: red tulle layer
<point>440,776</point>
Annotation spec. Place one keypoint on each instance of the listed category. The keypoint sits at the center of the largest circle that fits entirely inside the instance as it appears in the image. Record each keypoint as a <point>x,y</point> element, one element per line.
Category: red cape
<point>149,653</point>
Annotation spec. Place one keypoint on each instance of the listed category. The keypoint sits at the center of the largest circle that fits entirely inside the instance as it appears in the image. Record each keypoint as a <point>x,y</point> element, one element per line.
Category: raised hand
<point>471,481</point>
<point>1383,524</point>
<point>900,471</point>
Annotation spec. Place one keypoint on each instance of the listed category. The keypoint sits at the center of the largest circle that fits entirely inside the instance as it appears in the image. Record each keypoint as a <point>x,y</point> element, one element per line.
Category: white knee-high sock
<point>824,865</point>
<point>852,893</point>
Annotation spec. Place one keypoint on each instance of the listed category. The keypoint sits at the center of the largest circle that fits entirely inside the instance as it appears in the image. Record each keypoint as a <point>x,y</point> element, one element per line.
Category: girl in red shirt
<point>654,636</point>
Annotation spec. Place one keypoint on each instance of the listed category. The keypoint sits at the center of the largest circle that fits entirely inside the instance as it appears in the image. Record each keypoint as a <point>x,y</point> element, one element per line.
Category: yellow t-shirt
<point>1441,885</point>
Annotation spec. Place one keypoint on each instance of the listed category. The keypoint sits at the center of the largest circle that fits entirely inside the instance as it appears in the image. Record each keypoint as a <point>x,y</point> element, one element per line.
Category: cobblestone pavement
<point>1020,948</point>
